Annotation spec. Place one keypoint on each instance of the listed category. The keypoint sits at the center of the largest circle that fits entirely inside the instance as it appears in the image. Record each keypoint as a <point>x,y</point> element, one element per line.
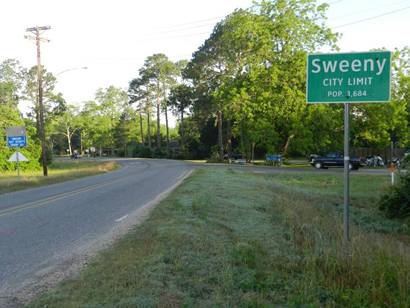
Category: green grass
<point>229,238</point>
<point>59,171</point>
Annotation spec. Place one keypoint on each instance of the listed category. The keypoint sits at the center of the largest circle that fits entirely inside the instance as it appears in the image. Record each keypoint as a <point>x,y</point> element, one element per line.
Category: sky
<point>112,38</point>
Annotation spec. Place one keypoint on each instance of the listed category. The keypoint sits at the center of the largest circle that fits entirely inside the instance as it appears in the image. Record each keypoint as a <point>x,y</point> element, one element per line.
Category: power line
<point>368,10</point>
<point>190,23</point>
<point>202,33</point>
<point>173,37</point>
<point>372,17</point>
<point>186,28</point>
<point>180,27</point>
<point>334,2</point>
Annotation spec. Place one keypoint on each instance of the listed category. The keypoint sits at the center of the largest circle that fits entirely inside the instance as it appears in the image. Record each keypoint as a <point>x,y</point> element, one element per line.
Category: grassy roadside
<point>58,172</point>
<point>230,238</point>
<point>257,162</point>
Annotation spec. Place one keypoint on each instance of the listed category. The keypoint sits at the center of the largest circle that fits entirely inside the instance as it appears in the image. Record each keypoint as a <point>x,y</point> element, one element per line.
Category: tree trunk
<point>52,145</point>
<point>158,121</point>
<point>142,132</point>
<point>69,141</point>
<point>228,137</point>
<point>149,130</point>
<point>243,142</point>
<point>166,124</point>
<point>253,152</point>
<point>220,143</point>
<point>182,131</point>
<point>166,117</point>
<point>81,142</point>
<point>158,127</point>
<point>37,122</point>
<point>285,148</point>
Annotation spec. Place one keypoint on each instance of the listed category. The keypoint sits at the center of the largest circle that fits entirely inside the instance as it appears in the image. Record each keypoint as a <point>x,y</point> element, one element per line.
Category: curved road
<point>44,229</point>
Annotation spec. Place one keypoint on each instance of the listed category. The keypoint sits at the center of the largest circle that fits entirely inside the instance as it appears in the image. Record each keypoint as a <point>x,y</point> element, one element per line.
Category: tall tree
<point>251,67</point>
<point>140,92</point>
<point>12,81</point>
<point>181,97</point>
<point>159,72</point>
<point>122,131</point>
<point>54,103</point>
<point>111,102</point>
<point>99,118</point>
<point>66,124</point>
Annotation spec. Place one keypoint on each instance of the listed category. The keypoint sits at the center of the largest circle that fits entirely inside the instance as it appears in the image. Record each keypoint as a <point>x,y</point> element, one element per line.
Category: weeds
<point>58,172</point>
<point>233,239</point>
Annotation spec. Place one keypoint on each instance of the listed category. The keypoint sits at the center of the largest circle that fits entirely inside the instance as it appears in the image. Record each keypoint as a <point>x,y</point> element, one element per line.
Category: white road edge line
<point>182,175</point>
<point>121,218</point>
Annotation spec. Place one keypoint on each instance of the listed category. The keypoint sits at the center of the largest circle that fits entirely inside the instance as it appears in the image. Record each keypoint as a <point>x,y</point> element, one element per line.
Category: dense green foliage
<point>12,80</point>
<point>396,202</point>
<point>251,70</point>
<point>248,79</point>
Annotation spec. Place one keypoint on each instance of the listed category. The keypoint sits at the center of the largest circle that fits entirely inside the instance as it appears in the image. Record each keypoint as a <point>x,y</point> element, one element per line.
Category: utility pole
<point>37,31</point>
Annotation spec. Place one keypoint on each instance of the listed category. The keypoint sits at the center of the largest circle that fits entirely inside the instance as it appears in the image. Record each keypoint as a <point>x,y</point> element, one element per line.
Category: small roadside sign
<point>349,77</point>
<point>16,141</point>
<point>392,169</point>
<point>16,131</point>
<point>17,157</point>
<point>16,137</point>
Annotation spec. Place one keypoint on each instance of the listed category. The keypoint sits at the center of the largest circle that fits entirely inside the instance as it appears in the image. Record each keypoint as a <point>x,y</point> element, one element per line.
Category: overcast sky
<point>112,38</point>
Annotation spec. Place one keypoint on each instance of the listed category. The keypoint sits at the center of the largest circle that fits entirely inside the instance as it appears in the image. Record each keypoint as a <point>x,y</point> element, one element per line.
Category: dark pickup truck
<point>333,160</point>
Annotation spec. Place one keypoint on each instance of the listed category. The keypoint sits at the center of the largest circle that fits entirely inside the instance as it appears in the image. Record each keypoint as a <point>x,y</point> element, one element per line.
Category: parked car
<point>334,160</point>
<point>312,156</point>
<point>235,158</point>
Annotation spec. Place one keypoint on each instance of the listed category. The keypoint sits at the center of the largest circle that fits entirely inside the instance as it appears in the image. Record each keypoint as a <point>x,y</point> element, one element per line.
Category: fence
<point>385,153</point>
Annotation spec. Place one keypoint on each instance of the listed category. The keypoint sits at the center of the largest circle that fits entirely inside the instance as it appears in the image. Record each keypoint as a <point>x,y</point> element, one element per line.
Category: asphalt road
<point>41,229</point>
<point>44,231</point>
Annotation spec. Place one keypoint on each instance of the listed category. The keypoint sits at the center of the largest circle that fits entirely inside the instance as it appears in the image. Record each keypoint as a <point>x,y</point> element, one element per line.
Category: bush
<point>214,155</point>
<point>142,151</point>
<point>406,162</point>
<point>32,152</point>
<point>159,153</point>
<point>396,202</point>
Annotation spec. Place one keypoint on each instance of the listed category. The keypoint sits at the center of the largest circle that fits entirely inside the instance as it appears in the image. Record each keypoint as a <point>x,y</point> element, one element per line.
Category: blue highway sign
<point>16,141</point>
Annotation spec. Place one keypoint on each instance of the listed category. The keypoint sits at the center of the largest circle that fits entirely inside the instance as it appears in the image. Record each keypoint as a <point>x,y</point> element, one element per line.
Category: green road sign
<point>349,77</point>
